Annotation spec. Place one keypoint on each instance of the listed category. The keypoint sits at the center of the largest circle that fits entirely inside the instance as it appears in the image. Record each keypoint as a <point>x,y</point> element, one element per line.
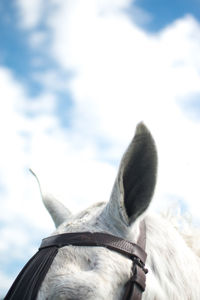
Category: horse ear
<point>56,209</point>
<point>136,179</point>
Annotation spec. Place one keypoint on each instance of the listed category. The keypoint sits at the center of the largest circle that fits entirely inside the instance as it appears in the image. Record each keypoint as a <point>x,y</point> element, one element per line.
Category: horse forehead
<point>81,258</point>
<point>87,272</point>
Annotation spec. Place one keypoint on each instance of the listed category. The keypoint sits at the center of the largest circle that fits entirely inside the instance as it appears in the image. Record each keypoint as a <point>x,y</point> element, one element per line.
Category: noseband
<point>29,280</point>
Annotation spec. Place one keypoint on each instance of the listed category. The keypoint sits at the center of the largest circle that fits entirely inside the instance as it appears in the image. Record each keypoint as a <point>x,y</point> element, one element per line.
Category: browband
<point>98,239</point>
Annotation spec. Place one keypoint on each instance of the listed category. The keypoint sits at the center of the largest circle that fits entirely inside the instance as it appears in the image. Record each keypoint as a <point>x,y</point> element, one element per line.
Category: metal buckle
<point>140,263</point>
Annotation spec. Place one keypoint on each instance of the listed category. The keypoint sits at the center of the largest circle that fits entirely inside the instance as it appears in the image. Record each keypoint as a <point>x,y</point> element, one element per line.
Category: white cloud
<point>30,12</point>
<point>51,80</point>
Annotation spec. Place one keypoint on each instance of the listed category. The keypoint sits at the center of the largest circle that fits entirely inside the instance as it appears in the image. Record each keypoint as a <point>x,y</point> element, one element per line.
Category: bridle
<point>29,280</point>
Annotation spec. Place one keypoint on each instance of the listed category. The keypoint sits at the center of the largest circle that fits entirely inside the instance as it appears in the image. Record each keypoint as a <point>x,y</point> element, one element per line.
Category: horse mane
<point>185,225</point>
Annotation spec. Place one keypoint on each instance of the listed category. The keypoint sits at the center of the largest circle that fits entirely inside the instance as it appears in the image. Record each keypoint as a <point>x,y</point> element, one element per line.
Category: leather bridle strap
<point>142,236</point>
<point>98,239</point>
<point>133,288</point>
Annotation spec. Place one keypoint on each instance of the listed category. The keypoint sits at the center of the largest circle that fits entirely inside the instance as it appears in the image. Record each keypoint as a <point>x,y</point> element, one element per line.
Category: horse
<point>85,272</point>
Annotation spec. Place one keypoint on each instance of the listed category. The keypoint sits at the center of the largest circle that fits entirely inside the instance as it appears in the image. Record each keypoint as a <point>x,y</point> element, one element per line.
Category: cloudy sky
<point>76,76</point>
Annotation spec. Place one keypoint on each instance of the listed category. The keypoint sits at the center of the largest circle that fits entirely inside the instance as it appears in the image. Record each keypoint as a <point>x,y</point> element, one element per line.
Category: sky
<point>76,76</point>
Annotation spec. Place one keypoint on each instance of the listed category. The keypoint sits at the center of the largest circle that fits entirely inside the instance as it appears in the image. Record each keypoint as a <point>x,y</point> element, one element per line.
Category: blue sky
<point>75,79</point>
<point>164,12</point>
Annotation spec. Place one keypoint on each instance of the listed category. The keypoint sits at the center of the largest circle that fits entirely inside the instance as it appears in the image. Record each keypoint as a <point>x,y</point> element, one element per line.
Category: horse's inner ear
<point>137,174</point>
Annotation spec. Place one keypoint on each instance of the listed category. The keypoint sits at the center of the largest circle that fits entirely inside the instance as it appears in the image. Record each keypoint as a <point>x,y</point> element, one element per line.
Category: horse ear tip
<point>141,128</point>
<point>31,171</point>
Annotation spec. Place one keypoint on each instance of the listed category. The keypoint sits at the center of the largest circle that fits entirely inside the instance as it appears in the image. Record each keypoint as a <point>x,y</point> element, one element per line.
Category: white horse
<point>99,273</point>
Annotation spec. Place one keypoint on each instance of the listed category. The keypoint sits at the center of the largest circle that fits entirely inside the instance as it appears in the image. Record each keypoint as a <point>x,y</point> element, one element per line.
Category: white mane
<point>173,255</point>
<point>184,225</point>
